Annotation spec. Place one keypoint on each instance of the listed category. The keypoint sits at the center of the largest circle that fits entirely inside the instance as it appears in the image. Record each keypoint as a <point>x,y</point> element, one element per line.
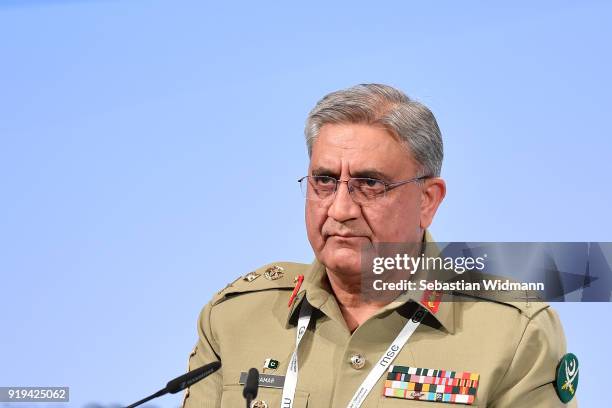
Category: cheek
<point>394,223</point>
<point>315,217</point>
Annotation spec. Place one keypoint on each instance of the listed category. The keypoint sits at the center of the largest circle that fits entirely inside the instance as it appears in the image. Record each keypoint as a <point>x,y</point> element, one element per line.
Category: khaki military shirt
<point>513,347</point>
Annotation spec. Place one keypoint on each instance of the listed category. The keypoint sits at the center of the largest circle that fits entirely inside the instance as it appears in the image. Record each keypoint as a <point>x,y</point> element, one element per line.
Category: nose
<point>343,208</point>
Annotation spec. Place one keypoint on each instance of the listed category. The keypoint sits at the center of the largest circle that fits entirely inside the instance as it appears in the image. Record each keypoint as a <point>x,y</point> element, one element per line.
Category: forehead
<point>356,147</point>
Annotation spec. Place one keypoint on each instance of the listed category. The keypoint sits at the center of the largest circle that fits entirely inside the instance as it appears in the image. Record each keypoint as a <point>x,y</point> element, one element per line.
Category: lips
<point>344,236</point>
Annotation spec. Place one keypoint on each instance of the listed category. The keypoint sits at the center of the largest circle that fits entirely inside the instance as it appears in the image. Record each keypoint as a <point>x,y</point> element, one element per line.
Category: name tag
<point>266,380</point>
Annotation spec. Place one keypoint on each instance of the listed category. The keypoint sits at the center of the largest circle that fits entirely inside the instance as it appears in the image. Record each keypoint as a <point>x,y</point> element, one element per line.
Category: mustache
<point>331,227</point>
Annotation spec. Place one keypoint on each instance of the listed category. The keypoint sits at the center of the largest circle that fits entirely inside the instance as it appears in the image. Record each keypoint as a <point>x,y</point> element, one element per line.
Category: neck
<point>354,308</point>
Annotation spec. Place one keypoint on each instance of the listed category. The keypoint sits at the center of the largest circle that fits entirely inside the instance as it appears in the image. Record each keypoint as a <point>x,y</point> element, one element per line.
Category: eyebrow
<point>365,173</point>
<point>371,173</point>
<point>324,171</point>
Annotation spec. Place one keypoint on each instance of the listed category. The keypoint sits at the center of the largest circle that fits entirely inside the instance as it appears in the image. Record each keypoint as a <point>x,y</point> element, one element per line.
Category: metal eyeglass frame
<point>388,186</point>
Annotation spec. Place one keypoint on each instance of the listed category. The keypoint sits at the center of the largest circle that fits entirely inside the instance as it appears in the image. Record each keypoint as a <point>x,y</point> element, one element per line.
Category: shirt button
<point>259,404</point>
<point>357,361</point>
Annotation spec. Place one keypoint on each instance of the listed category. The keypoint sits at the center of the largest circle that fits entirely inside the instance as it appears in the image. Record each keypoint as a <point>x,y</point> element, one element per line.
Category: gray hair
<point>375,104</point>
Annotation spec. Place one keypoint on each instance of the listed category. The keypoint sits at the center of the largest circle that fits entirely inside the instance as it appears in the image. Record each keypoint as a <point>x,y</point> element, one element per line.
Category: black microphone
<point>250,386</point>
<point>182,382</point>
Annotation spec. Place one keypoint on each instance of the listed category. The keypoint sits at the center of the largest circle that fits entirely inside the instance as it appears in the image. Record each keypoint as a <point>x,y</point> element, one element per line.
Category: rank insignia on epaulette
<point>274,272</point>
<point>250,277</point>
<point>566,381</point>
<point>426,384</point>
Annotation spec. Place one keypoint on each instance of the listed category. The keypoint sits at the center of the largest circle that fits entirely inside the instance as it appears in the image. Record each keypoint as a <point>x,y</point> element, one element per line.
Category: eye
<point>368,186</point>
<point>323,180</point>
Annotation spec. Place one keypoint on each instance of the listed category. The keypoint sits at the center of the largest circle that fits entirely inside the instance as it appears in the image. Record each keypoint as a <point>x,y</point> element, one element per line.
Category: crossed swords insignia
<point>571,372</point>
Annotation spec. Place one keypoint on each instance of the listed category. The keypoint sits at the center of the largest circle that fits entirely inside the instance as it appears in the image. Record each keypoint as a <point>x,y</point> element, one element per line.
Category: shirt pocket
<point>232,397</point>
<point>390,402</point>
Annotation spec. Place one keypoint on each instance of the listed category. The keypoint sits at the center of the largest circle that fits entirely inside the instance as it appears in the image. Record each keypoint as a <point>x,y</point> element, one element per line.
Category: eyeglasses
<point>362,190</point>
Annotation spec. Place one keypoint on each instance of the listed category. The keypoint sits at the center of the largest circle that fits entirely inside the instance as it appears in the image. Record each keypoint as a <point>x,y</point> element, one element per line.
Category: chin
<point>343,260</point>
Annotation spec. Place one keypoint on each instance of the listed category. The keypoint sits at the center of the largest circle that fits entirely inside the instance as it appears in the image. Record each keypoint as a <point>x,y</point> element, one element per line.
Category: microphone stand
<point>183,381</point>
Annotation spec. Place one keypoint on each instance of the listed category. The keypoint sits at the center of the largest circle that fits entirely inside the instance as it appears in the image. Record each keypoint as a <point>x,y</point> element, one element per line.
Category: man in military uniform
<point>375,160</point>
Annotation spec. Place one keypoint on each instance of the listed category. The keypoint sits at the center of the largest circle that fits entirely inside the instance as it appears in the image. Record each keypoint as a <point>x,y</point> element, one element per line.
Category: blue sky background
<point>149,152</point>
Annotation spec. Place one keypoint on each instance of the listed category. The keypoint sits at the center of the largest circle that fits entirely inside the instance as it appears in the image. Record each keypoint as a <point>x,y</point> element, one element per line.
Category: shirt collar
<point>316,291</point>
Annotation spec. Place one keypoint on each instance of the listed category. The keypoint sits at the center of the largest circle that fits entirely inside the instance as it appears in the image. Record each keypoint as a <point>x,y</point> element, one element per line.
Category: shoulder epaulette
<point>528,306</point>
<point>273,276</point>
<point>527,302</point>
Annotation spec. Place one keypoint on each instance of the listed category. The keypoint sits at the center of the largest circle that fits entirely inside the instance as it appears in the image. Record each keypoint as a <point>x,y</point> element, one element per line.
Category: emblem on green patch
<point>566,381</point>
<point>271,363</point>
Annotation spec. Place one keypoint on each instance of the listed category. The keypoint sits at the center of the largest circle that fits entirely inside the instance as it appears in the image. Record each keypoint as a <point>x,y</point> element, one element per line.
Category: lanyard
<point>292,370</point>
<point>377,371</point>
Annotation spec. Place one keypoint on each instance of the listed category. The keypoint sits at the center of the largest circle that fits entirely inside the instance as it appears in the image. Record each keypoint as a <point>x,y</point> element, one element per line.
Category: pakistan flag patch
<point>566,381</point>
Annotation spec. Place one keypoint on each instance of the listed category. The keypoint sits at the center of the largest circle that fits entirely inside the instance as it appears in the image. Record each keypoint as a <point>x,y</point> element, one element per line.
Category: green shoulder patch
<point>566,381</point>
<point>273,276</point>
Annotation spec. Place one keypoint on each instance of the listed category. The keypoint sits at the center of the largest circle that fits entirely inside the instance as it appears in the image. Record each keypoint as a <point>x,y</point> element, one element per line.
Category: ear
<point>434,190</point>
